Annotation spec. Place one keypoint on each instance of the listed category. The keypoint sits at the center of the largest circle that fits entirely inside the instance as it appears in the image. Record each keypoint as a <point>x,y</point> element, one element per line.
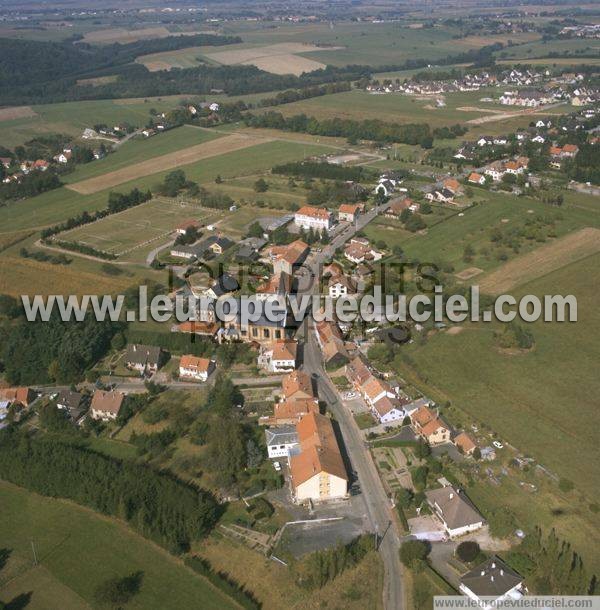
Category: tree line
<point>159,506</point>
<point>372,129</point>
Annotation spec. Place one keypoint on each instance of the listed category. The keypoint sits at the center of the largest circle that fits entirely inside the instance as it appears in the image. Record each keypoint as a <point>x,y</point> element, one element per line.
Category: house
<point>341,286</point>
<point>514,167</point>
<point>397,206</point>
<point>291,411</point>
<point>64,156</point>
<point>225,284</point>
<point>569,151</point>
<point>475,178</point>
<point>453,185</point>
<point>309,217</point>
<point>455,511</point>
<point>495,171</point>
<point>348,212</point>
<point>198,369</point>
<point>276,286</point>
<point>188,252</point>
<point>21,395</point>
<point>40,165</point>
<point>436,432</point>
<point>297,385</point>
<point>443,195</point>
<point>465,444</point>
<point>281,440</point>
<point>388,410</point>
<point>385,187</point>
<point>278,356</point>
<point>73,403</point>
<point>317,471</point>
<point>358,371</point>
<point>106,405</point>
<point>289,257</point>
<point>331,342</point>
<point>357,252</point>
<point>6,162</point>
<point>146,359</point>
<point>492,582</point>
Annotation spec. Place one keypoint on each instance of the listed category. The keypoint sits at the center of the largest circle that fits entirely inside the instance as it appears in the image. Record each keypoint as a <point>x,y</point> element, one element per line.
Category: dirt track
<point>545,259</point>
<point>172,160</point>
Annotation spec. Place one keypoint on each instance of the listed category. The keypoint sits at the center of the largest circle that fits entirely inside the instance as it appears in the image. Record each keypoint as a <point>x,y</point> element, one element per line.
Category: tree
<point>413,553</point>
<point>254,455</point>
<point>425,208</point>
<point>467,551</point>
<point>404,497</point>
<point>255,230</point>
<point>9,306</point>
<point>476,454</point>
<point>218,179</point>
<point>261,186</point>
<point>115,592</point>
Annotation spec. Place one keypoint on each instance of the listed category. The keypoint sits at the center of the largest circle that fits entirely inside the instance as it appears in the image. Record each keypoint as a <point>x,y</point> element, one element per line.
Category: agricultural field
<point>569,48</point>
<point>77,550</point>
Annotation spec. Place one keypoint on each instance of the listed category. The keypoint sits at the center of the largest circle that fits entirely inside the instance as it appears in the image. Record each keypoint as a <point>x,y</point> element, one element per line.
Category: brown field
<point>157,66</point>
<point>480,41</point>
<point>278,58</point>
<point>502,116</point>
<point>17,112</point>
<point>99,80</point>
<point>186,156</point>
<point>542,261</point>
<point>123,35</point>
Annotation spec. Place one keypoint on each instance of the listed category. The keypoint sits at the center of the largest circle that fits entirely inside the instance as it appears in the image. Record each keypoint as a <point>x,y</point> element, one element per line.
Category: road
<point>378,505</point>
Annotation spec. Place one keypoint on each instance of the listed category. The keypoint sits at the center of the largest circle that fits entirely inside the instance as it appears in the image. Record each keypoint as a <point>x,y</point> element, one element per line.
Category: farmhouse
<point>278,356</point>
<point>198,369</point>
<point>281,440</point>
<point>106,405</point>
<point>455,511</point>
<point>492,582</point>
<point>317,472</point>
<point>318,219</point>
<point>146,359</point>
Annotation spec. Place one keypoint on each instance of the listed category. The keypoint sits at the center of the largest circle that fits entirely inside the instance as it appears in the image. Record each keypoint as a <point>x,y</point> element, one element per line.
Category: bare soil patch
<point>17,112</point>
<point>123,35</point>
<point>454,330</point>
<point>186,156</point>
<point>285,64</point>
<point>542,261</point>
<point>467,274</point>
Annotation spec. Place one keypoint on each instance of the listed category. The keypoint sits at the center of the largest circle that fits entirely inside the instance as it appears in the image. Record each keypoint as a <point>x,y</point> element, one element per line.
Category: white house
<point>281,440</point>
<point>309,217</point>
<point>454,510</point>
<point>341,286</point>
<point>106,405</point>
<point>197,369</point>
<point>492,582</point>
<point>278,356</point>
<point>495,171</point>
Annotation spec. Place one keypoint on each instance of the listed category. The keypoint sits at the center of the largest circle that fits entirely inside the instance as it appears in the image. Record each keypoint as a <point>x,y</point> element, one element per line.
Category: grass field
<point>560,47</point>
<point>447,240</point>
<point>545,402</point>
<point>59,204</point>
<point>78,550</point>
<point>141,149</point>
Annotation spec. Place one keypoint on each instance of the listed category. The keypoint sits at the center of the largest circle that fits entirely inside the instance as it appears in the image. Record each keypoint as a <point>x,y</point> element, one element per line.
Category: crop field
<point>560,47</point>
<point>77,550</point>
<point>523,396</point>
<point>141,149</point>
<point>122,35</point>
<point>542,260</point>
<point>172,160</point>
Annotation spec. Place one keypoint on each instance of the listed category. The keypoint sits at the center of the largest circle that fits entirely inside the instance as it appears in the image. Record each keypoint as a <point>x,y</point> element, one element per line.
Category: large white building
<point>318,219</point>
<point>281,441</point>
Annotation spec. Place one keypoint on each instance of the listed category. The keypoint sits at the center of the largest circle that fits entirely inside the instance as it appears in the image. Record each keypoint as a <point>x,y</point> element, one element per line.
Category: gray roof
<point>69,400</point>
<point>455,508</point>
<point>143,354</point>
<point>281,435</point>
<point>492,578</point>
<point>196,250</point>
<point>225,284</point>
<point>256,243</point>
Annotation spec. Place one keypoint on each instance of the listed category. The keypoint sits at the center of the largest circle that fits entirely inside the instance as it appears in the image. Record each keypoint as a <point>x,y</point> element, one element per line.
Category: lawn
<point>77,550</point>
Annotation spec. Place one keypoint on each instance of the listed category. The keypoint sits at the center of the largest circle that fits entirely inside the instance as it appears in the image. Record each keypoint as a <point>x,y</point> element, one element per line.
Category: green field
<point>140,149</point>
<point>77,550</point>
<point>55,206</point>
<point>559,47</point>
<point>446,240</point>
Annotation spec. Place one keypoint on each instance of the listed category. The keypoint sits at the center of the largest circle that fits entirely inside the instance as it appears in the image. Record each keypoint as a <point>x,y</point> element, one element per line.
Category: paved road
<point>376,501</point>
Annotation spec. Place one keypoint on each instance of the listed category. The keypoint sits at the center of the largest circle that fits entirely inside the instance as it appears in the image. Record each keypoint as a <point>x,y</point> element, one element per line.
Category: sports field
<point>172,160</point>
<point>77,550</point>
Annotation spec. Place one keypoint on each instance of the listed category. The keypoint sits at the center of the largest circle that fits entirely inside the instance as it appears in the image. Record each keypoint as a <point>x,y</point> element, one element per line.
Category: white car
<point>498,445</point>
<point>277,466</point>
<point>350,395</point>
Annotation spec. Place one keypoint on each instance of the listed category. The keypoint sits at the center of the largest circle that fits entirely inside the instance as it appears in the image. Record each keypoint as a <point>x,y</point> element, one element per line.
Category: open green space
<point>569,47</point>
<point>77,550</point>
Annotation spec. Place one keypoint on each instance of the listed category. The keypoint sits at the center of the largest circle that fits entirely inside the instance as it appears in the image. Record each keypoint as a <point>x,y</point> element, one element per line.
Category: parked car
<point>498,445</point>
<point>277,466</point>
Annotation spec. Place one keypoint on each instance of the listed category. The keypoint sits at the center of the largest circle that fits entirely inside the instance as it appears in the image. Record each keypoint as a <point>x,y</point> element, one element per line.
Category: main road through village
<point>376,501</point>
